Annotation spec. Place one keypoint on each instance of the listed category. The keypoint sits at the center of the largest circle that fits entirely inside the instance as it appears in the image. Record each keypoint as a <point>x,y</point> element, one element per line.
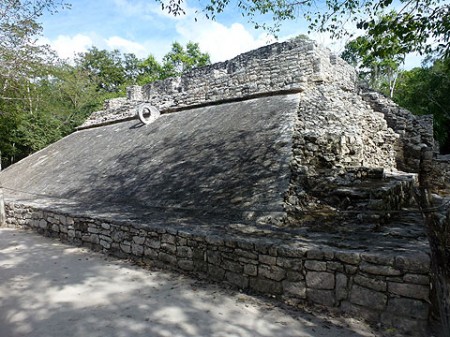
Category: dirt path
<point>49,289</point>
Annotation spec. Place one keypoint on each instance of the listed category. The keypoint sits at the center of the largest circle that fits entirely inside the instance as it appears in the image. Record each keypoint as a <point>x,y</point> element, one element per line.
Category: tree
<point>105,68</point>
<point>149,70</point>
<point>425,91</point>
<point>22,63</point>
<point>179,60</point>
<point>419,25</point>
<point>380,72</point>
<point>19,52</point>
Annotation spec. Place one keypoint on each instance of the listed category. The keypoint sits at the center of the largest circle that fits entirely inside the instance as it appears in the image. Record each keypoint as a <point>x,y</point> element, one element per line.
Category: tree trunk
<point>438,232</point>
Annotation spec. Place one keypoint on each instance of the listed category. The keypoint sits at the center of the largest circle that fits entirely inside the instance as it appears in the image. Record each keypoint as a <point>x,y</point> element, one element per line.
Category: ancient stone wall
<point>441,171</point>
<point>381,287</point>
<point>281,67</point>
<point>415,132</point>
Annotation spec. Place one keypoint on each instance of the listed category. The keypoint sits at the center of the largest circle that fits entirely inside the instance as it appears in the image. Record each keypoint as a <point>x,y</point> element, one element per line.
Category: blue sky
<point>141,27</point>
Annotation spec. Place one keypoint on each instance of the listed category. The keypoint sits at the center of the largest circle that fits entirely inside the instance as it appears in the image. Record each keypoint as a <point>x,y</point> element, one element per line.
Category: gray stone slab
<point>229,159</point>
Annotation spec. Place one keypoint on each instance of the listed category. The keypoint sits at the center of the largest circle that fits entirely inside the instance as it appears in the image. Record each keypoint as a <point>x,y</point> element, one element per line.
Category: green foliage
<point>180,60</point>
<point>149,70</point>
<point>47,99</point>
<point>379,70</point>
<point>105,68</point>
<point>426,91</point>
<point>418,25</point>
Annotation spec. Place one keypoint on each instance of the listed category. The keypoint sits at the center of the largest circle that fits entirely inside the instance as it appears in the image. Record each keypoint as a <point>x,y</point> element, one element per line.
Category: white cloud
<point>127,46</point>
<point>220,41</point>
<point>68,46</point>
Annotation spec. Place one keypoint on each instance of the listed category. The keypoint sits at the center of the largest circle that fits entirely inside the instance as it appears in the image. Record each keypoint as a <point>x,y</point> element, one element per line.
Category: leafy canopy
<point>418,25</point>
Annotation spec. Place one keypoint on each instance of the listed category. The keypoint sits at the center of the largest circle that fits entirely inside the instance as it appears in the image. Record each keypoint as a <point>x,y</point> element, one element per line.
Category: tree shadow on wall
<point>203,171</point>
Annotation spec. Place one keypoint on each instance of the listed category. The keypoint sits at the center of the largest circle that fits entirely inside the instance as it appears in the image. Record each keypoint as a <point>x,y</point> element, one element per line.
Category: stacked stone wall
<point>281,67</point>
<point>416,132</point>
<point>379,287</point>
<point>441,171</point>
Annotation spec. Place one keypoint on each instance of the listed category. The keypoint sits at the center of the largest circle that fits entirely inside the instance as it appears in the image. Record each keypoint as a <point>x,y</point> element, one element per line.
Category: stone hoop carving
<point>147,113</point>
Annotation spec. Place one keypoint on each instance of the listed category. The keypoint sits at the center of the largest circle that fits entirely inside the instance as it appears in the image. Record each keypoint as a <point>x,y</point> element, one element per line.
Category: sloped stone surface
<point>233,158</point>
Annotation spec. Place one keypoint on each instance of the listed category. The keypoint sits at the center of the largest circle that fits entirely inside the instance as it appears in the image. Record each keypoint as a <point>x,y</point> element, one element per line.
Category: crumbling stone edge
<point>375,286</point>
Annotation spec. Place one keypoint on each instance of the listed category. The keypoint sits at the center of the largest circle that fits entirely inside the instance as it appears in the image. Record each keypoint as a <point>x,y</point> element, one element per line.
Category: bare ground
<point>50,289</point>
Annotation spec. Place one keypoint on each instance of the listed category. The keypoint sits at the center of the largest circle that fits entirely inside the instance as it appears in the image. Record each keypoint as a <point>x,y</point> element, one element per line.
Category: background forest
<point>43,98</point>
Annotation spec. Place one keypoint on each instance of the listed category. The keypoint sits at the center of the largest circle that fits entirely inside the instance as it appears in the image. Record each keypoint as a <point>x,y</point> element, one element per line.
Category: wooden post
<point>2,201</point>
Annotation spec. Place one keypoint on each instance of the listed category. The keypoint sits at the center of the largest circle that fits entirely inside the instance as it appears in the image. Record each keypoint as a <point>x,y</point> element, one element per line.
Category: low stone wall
<point>379,287</point>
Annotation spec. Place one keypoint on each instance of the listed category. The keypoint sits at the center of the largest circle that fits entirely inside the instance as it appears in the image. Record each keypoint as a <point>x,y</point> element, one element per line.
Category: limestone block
<point>214,257</point>
<point>315,254</point>
<point>287,251</point>
<point>335,266</point>
<point>105,225</point>
<point>105,244</point>
<point>250,269</point>
<point>150,252</point>
<point>246,254</point>
<point>376,258</point>
<point>271,272</point>
<point>232,266</point>
<point>136,249</point>
<point>320,280</point>
<point>371,283</point>
<point>184,251</point>
<point>216,273</point>
<point>168,238</point>
<point>43,224</point>
<point>379,269</point>
<point>297,289</point>
<point>359,312</point>
<point>415,291</point>
<point>419,263</point>
<point>323,297</point>
<point>348,257</point>
<point>266,286</point>
<point>153,243</point>
<point>93,229</point>
<point>126,248</point>
<point>167,258</point>
<point>139,240</point>
<point>93,238</point>
<point>170,248</point>
<point>417,279</point>
<point>214,240</point>
<point>187,265</point>
<point>367,298</point>
<point>238,280</point>
<point>316,265</point>
<point>105,238</point>
<point>289,263</point>
<point>267,259</point>
<point>408,308</point>
<point>341,287</point>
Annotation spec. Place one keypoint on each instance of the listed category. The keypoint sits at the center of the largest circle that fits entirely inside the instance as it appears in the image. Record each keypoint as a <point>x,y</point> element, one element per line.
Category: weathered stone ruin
<point>273,172</point>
